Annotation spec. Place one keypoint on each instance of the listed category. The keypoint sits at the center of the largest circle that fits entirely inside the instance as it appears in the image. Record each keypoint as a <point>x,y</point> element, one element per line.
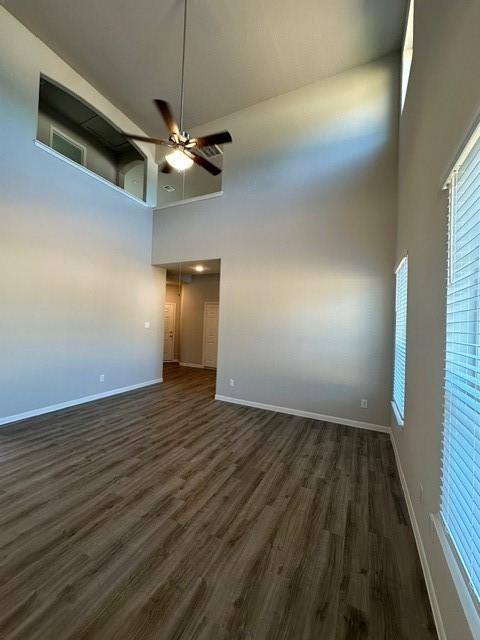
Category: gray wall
<point>194,183</point>
<point>99,159</point>
<point>194,295</point>
<point>125,169</point>
<point>443,101</point>
<point>306,233</point>
<point>76,281</point>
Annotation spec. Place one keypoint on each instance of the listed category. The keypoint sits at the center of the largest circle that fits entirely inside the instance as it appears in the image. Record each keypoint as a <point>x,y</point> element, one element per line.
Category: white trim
<point>463,590</point>
<point>421,549</point>
<point>398,416</point>
<point>402,260</point>
<point>306,414</point>
<point>73,403</point>
<point>192,365</point>
<point>80,167</point>
<point>74,143</point>
<point>407,52</point>
<point>467,145</point>
<point>207,196</point>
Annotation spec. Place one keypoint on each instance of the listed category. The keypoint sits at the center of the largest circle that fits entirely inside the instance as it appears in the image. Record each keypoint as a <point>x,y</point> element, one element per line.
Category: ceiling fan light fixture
<point>185,149</point>
<point>179,160</point>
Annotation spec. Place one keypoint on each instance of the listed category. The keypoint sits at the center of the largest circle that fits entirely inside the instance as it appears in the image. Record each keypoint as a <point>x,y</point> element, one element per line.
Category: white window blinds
<point>461,447</point>
<point>400,338</point>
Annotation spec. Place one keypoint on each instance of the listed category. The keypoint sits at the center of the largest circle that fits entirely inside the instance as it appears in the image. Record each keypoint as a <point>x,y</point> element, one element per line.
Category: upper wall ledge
<point>207,196</point>
<point>79,167</point>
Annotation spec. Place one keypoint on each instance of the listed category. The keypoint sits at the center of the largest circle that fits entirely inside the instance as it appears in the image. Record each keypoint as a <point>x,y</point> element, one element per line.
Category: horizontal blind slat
<point>460,503</point>
<point>400,353</point>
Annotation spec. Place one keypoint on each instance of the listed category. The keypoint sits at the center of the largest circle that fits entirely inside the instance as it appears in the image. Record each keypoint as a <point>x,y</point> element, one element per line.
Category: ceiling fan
<point>184,147</point>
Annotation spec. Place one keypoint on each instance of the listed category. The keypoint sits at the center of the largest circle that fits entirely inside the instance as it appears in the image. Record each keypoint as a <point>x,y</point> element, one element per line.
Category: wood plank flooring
<point>163,514</point>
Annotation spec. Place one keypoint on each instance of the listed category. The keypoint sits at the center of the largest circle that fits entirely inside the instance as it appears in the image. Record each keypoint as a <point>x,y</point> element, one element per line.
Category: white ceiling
<point>239,52</point>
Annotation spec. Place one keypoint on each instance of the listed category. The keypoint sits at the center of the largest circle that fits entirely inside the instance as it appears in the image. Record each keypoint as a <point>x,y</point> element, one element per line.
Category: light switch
<point>146,324</point>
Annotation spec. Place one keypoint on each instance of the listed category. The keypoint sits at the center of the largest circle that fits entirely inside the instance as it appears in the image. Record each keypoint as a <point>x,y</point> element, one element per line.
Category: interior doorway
<point>192,314</point>
<point>169,332</point>
<point>210,334</point>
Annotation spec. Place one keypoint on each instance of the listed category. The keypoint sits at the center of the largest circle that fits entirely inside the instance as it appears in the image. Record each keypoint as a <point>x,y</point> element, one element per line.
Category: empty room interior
<point>239,320</point>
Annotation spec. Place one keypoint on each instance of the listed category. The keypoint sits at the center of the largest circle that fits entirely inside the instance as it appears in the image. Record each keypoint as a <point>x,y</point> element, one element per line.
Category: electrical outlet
<point>232,382</point>
<point>101,377</point>
<point>146,324</point>
<point>364,404</point>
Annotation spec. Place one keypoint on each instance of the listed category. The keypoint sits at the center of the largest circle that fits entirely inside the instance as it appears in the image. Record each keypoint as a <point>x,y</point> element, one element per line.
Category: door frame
<point>217,302</point>
<point>174,305</point>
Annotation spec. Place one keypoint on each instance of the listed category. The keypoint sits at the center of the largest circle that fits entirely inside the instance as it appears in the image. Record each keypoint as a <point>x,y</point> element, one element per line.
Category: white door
<point>210,334</point>
<point>169,332</point>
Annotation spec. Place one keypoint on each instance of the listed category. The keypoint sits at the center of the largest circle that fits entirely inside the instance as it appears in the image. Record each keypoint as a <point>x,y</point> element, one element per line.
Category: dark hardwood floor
<point>163,514</point>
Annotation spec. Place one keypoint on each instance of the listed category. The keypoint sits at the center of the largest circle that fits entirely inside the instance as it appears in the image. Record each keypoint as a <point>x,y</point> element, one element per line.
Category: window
<point>400,354</point>
<point>460,505</point>
<point>407,53</point>
<point>67,147</point>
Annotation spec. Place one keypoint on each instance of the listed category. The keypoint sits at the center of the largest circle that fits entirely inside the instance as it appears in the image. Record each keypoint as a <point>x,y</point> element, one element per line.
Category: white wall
<point>194,295</point>
<point>76,281</point>
<point>306,233</point>
<point>443,101</point>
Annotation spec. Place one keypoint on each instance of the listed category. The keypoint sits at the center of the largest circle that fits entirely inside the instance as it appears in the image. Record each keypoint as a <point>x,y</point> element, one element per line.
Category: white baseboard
<point>372,427</point>
<point>421,549</point>
<point>192,365</point>
<point>306,414</point>
<point>73,403</point>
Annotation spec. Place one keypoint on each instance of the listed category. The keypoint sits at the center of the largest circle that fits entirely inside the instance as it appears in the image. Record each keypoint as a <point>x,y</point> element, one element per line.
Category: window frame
<point>399,412</point>
<point>469,599</point>
<point>407,54</point>
<point>59,133</point>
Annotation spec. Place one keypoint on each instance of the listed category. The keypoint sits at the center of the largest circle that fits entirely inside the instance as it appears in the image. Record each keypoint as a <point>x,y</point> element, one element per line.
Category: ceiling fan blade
<point>133,136</point>
<point>166,168</point>
<point>223,137</point>
<point>167,116</point>
<point>203,162</point>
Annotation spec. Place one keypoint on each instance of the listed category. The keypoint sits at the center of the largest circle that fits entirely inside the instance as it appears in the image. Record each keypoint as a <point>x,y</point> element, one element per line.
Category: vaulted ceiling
<point>239,52</point>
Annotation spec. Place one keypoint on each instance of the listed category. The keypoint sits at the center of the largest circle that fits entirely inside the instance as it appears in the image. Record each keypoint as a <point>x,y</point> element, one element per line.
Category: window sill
<point>465,595</point>
<point>80,167</point>
<point>398,418</point>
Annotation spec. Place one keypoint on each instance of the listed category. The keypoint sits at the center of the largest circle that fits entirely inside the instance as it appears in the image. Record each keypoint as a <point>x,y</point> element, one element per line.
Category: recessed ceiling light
<point>199,268</point>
